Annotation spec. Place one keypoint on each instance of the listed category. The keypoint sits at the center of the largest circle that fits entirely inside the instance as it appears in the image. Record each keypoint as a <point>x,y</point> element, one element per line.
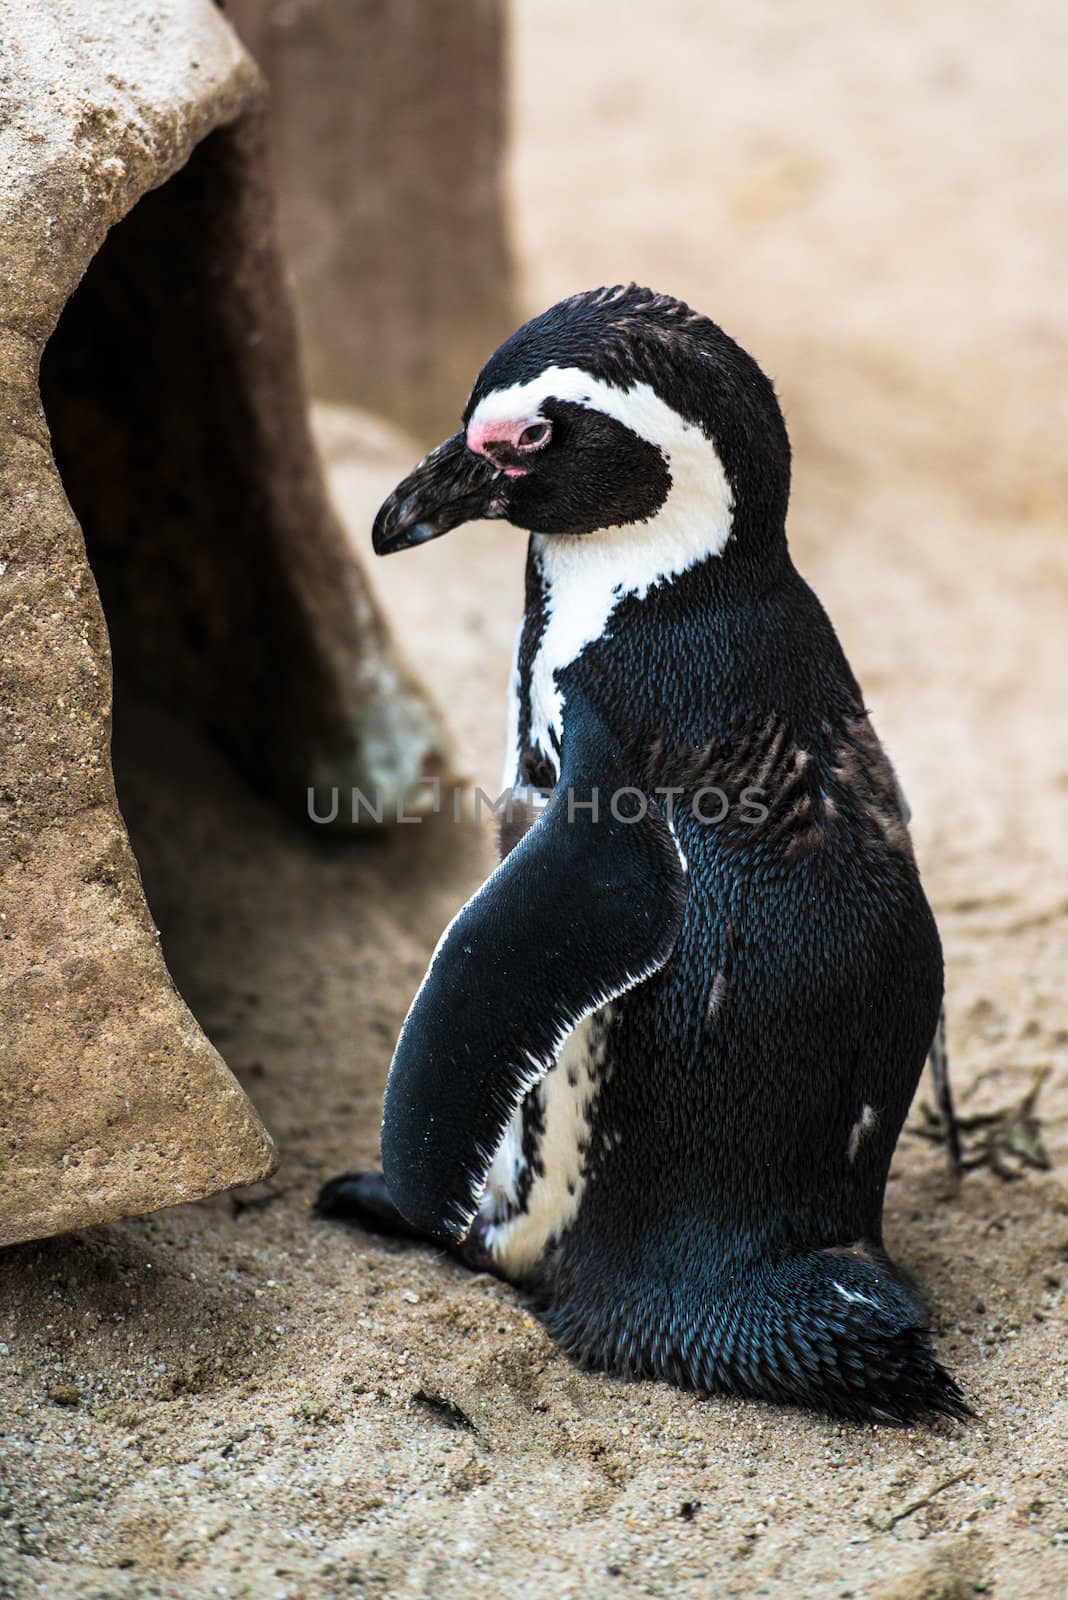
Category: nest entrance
<point>158,393</point>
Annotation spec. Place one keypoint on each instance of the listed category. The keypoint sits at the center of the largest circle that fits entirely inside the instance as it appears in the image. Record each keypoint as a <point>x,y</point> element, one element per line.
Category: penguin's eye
<point>536,436</point>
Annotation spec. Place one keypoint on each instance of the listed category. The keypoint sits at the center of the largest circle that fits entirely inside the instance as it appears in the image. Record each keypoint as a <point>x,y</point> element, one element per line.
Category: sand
<point>233,1399</point>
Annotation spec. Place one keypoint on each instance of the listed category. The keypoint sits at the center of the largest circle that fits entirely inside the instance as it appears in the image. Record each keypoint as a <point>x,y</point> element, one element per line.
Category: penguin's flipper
<point>586,905</point>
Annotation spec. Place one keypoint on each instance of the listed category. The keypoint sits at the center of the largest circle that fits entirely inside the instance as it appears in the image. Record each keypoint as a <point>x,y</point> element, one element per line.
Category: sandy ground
<point>232,1399</point>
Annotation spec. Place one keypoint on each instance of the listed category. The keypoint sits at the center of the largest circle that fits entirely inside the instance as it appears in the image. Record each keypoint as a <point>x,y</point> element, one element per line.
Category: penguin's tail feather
<point>831,1330</point>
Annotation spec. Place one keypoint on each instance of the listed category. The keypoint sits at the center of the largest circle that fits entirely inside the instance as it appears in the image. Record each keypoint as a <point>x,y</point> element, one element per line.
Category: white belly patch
<point>553,1188</point>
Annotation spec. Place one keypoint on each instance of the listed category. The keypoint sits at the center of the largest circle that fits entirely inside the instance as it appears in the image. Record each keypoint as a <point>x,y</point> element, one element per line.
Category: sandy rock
<point>173,397</point>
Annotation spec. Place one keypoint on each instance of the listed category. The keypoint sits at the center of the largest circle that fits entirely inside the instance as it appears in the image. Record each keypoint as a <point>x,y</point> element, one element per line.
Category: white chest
<point>584,580</point>
<point>585,577</point>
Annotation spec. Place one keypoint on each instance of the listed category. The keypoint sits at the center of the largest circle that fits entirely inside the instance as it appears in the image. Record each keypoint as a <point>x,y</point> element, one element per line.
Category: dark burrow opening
<point>173,394</point>
<point>153,387</point>
<point>167,384</point>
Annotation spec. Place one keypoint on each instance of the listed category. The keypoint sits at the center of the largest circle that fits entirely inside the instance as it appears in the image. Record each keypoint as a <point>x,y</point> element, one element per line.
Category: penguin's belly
<point>535,1182</point>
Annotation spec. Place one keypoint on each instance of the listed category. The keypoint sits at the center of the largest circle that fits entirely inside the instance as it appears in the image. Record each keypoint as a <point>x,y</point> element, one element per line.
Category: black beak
<point>452,485</point>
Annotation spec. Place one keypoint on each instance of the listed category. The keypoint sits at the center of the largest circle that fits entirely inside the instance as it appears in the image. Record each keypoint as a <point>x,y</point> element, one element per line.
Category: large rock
<point>177,419</point>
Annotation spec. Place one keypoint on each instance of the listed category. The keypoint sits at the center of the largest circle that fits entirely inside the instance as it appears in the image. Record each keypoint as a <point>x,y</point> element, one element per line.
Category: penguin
<point>658,1065</point>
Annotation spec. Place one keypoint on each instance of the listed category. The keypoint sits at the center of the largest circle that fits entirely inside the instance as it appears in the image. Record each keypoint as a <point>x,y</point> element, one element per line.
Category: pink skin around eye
<point>481,435</point>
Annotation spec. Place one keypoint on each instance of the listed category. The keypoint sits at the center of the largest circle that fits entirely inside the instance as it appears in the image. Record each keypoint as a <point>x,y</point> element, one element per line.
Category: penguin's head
<point>615,408</point>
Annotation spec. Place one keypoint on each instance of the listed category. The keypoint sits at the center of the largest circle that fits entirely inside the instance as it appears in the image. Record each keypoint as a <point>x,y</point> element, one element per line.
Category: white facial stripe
<point>587,576</point>
<point>638,408</point>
